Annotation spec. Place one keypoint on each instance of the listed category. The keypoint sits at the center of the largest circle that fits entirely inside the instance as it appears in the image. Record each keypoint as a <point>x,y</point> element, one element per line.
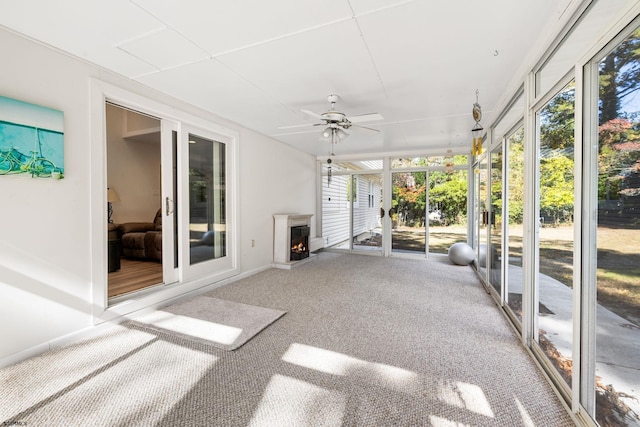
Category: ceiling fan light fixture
<point>327,132</point>
<point>341,134</point>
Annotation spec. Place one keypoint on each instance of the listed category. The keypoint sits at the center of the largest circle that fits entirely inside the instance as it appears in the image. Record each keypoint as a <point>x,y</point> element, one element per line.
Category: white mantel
<point>282,224</point>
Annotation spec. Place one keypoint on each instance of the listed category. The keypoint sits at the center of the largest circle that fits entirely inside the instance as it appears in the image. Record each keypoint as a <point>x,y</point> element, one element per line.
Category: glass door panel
<point>556,230</point>
<point>207,208</point>
<point>495,221</point>
<point>207,224</point>
<point>515,203</point>
<point>336,212</point>
<point>447,210</point>
<point>617,361</point>
<point>351,211</point>
<point>408,230</point>
<point>366,205</point>
<point>482,217</point>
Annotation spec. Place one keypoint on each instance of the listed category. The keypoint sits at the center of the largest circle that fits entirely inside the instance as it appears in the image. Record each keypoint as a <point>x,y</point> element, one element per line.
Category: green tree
<point>409,197</point>
<point>619,130</point>
<point>516,177</point>
<point>556,188</point>
<point>557,122</point>
<point>450,196</point>
<point>619,76</point>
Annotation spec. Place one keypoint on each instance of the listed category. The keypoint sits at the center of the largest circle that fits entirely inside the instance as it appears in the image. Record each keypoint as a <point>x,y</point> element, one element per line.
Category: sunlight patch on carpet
<point>331,362</point>
<point>292,402</point>
<point>466,396</point>
<point>443,422</point>
<point>126,377</point>
<point>212,321</point>
<point>194,328</point>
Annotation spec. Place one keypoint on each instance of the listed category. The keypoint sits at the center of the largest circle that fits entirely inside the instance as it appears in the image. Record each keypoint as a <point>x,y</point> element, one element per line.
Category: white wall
<point>274,178</point>
<point>47,254</point>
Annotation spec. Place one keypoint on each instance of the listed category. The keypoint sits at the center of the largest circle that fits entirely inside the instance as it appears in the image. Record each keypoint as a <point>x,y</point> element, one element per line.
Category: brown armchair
<point>142,240</point>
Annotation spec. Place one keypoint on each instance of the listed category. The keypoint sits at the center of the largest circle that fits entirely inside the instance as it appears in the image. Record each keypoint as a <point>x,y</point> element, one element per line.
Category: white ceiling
<point>416,62</point>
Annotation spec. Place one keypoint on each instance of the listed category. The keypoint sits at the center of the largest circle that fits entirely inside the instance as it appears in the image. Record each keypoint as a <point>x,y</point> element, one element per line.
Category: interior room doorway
<point>137,214</point>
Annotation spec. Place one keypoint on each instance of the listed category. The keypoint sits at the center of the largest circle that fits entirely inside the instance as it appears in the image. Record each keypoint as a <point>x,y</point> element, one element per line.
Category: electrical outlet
<point>253,243</point>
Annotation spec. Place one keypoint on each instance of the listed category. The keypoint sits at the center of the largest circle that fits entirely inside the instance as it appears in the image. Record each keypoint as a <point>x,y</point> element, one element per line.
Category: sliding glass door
<point>409,214</point>
<point>482,179</point>
<point>513,220</point>
<point>613,375</point>
<point>352,206</point>
<point>429,204</point>
<point>494,221</point>
<point>556,232</point>
<point>366,206</point>
<point>207,242</point>
<point>424,193</point>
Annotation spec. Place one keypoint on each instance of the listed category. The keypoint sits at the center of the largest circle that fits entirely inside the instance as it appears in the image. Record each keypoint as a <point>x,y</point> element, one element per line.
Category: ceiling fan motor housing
<point>333,116</point>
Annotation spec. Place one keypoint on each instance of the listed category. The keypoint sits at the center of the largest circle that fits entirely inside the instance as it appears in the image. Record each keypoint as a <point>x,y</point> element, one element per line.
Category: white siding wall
<point>335,208</point>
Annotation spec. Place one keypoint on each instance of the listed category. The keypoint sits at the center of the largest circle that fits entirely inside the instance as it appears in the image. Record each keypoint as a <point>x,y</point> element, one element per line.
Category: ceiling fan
<point>336,122</point>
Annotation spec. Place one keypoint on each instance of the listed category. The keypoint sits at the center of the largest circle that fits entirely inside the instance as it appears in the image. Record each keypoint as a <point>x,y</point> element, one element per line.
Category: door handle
<point>382,212</point>
<point>167,206</point>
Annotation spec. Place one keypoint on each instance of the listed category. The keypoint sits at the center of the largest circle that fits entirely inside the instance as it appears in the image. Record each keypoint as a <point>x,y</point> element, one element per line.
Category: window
<point>207,200</point>
<point>617,273</point>
<point>554,314</point>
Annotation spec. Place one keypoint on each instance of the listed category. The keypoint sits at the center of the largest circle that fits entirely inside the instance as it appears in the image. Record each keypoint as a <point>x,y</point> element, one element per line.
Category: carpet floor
<point>366,341</point>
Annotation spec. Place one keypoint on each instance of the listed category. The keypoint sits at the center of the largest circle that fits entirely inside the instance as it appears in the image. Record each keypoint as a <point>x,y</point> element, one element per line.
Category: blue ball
<point>461,254</point>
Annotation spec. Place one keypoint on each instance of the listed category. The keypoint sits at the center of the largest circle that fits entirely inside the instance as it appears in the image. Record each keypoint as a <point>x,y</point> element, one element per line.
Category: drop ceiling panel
<point>163,49</point>
<point>453,131</point>
<point>88,29</point>
<point>361,7</point>
<point>416,62</point>
<point>224,26</point>
<point>220,91</point>
<point>302,71</point>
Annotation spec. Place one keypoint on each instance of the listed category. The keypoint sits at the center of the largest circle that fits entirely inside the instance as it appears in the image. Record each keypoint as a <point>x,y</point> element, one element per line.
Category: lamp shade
<point>112,196</point>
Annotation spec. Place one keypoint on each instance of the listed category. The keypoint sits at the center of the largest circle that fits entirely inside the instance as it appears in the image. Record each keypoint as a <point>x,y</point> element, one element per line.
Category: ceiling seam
<point>373,62</point>
<point>172,28</point>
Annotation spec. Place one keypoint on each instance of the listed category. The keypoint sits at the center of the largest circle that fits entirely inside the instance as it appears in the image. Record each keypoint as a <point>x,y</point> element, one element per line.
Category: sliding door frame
<point>173,120</point>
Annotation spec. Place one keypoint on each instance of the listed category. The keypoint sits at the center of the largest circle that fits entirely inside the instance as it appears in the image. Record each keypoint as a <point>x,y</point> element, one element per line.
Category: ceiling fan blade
<point>311,114</point>
<point>294,132</point>
<point>297,126</point>
<point>365,118</point>
<point>364,129</point>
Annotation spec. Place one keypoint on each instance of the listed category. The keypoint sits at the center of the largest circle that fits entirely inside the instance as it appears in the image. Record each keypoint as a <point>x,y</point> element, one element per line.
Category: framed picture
<point>31,140</point>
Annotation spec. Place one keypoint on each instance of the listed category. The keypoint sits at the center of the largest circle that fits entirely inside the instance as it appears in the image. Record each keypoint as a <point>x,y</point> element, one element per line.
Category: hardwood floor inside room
<point>134,275</point>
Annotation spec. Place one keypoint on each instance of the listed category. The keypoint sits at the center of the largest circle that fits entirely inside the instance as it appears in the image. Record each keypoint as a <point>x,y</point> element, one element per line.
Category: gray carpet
<point>366,341</point>
<point>212,321</point>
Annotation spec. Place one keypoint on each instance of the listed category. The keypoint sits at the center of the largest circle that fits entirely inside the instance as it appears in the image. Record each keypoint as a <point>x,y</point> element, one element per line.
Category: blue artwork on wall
<point>31,140</point>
